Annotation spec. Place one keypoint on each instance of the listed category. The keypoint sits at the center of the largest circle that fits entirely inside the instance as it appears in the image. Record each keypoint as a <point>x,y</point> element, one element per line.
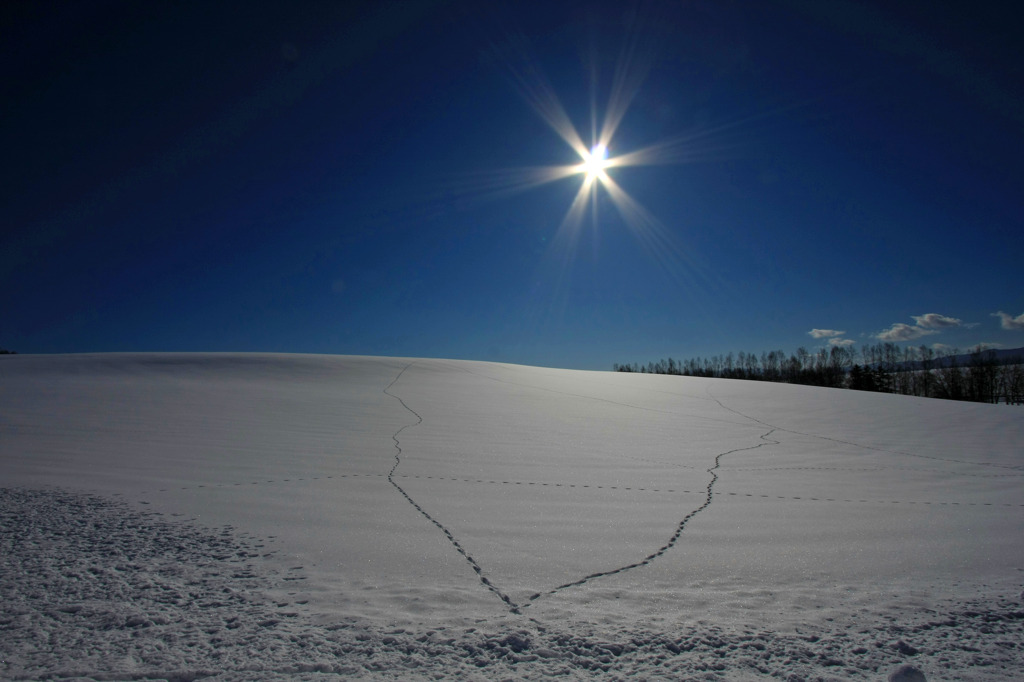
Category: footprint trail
<point>513,607</point>
<point>679,529</point>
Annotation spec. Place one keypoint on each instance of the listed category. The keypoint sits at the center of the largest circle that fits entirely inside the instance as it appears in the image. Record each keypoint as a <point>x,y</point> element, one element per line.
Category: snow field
<point>427,517</point>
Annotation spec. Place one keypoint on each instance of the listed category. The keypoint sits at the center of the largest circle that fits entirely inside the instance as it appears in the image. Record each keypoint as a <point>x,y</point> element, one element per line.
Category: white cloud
<point>903,332</point>
<point>824,333</point>
<point>925,324</point>
<point>943,348</point>
<point>936,321</point>
<point>1008,322</point>
<point>841,342</point>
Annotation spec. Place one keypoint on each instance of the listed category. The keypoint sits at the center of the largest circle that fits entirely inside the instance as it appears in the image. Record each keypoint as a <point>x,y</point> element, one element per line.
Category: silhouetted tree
<point>862,379</point>
<point>949,380</point>
<point>1012,381</point>
<point>925,376</point>
<point>884,367</point>
<point>982,379</point>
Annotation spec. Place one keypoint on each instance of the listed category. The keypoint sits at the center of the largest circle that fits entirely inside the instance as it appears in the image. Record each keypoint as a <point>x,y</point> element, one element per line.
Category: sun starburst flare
<point>598,160</point>
<point>601,168</point>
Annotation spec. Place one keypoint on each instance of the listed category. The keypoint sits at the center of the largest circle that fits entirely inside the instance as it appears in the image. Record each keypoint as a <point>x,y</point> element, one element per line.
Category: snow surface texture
<point>239,517</point>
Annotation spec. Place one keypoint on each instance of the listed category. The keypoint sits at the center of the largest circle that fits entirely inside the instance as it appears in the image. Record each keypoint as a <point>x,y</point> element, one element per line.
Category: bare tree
<point>949,380</point>
<point>925,377</point>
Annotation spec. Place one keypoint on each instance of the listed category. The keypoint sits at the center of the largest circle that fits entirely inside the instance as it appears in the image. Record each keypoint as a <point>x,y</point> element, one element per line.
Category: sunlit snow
<point>197,515</point>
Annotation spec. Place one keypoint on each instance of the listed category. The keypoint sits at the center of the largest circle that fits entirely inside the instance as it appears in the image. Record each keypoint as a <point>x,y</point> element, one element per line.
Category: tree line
<point>980,376</point>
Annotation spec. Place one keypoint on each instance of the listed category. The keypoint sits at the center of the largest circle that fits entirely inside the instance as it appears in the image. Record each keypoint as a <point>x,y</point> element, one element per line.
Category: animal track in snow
<point>679,529</point>
<point>861,445</point>
<point>671,491</point>
<point>394,477</point>
<point>513,607</point>
<point>516,608</point>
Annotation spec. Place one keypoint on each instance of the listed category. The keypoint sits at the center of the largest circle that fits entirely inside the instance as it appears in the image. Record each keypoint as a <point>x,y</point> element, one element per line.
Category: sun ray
<point>655,238</point>
<point>630,72</point>
<point>510,181</point>
<point>573,220</point>
<point>565,247</point>
<point>538,93</point>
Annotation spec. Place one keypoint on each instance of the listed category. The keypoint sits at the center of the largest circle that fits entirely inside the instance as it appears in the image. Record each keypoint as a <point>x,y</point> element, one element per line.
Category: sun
<point>594,162</point>
<point>597,165</point>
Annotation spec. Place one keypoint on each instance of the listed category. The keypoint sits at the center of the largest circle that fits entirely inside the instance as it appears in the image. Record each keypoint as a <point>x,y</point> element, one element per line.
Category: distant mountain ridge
<point>1001,356</point>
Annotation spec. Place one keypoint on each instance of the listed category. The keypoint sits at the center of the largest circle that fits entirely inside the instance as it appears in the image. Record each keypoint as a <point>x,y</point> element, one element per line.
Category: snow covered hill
<point>260,516</point>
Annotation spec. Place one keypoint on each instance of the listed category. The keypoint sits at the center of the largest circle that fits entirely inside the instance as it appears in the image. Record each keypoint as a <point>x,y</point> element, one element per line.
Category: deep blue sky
<point>316,177</point>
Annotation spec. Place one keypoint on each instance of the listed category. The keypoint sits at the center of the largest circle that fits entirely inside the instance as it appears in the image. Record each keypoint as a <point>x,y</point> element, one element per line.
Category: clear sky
<point>336,178</point>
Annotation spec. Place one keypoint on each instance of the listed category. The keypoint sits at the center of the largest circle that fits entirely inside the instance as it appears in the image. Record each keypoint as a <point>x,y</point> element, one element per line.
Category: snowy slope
<point>273,516</point>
